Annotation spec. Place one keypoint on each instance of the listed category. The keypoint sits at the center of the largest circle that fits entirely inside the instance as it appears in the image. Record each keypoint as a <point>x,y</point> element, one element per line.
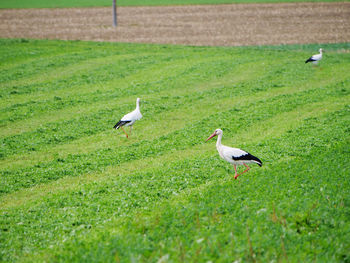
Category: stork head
<point>215,133</point>
<point>320,50</point>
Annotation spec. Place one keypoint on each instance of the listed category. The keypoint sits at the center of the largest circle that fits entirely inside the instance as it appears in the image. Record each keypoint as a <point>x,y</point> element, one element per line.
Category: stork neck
<point>137,105</point>
<point>218,142</point>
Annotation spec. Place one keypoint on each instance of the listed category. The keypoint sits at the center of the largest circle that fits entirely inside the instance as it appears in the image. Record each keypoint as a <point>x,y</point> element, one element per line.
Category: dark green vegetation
<point>74,190</point>
<point>90,3</point>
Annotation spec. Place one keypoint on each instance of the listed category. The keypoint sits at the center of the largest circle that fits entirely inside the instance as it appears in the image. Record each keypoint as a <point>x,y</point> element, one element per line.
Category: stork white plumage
<point>234,156</point>
<point>315,58</point>
<point>129,119</point>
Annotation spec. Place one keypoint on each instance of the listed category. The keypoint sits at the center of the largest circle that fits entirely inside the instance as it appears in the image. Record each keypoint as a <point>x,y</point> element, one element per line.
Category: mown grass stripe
<point>33,108</point>
<point>74,165</point>
<point>90,193</point>
<point>107,138</point>
<point>178,200</point>
<point>186,55</point>
<point>99,120</point>
<point>99,100</point>
<point>126,72</point>
<point>31,50</point>
<point>270,128</point>
<point>27,51</point>
<point>81,73</point>
<point>59,102</point>
<point>56,62</point>
<point>162,54</point>
<point>58,133</point>
<point>197,218</point>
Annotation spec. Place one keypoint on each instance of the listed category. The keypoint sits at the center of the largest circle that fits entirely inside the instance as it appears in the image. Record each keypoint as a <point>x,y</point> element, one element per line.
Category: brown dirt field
<point>224,25</point>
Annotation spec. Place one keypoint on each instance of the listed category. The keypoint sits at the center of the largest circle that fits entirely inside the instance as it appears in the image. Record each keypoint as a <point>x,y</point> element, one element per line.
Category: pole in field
<point>114,13</point>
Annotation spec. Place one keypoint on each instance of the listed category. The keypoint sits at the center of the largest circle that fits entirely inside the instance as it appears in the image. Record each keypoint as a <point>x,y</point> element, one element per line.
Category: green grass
<point>72,189</point>
<point>91,3</point>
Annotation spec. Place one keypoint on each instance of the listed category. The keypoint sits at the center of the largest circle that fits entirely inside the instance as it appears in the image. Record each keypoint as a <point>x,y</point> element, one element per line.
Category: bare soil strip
<point>208,25</point>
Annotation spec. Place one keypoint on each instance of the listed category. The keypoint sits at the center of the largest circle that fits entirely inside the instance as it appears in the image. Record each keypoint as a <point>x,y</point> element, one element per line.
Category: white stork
<point>315,58</point>
<point>234,155</point>
<point>130,118</point>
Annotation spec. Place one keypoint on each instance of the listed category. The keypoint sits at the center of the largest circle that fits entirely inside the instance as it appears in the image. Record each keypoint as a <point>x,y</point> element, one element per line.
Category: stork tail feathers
<point>257,161</point>
<point>309,60</point>
<point>248,157</point>
<point>117,125</point>
<point>120,124</point>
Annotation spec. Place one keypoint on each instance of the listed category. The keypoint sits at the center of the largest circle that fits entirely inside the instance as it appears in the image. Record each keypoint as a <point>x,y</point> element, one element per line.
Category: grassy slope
<point>90,3</point>
<point>79,191</point>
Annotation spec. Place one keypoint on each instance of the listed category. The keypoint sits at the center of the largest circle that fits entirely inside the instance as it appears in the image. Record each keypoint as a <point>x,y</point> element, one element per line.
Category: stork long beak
<point>211,136</point>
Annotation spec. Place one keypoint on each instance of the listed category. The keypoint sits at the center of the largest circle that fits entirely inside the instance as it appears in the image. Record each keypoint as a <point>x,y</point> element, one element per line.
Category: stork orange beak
<point>211,136</point>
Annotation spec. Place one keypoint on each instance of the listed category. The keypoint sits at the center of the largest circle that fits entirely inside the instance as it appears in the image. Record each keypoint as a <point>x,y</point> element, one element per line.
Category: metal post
<point>114,13</point>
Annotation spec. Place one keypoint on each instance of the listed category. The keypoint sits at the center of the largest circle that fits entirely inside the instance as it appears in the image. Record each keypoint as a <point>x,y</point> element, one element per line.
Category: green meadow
<point>72,189</point>
<point>92,3</point>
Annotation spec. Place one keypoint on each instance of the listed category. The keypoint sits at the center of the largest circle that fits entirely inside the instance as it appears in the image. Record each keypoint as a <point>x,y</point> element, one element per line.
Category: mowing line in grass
<point>100,101</point>
<point>74,165</point>
<point>119,225</point>
<point>85,193</point>
<point>62,132</point>
<point>269,128</point>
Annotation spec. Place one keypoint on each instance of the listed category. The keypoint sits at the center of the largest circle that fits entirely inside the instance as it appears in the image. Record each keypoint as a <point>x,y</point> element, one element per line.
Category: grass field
<point>73,189</point>
<point>90,3</point>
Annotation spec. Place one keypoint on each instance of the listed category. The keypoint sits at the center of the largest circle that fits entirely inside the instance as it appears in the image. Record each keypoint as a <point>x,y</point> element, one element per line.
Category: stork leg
<point>234,166</point>
<point>127,136</point>
<point>246,170</point>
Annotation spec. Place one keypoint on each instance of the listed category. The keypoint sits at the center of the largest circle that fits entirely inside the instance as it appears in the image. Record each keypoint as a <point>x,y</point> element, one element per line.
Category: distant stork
<point>129,119</point>
<point>315,58</point>
<point>234,155</point>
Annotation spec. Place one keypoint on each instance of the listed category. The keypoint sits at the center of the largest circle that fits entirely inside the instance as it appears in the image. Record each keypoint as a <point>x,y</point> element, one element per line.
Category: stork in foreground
<point>234,155</point>
<point>315,58</point>
<point>129,119</point>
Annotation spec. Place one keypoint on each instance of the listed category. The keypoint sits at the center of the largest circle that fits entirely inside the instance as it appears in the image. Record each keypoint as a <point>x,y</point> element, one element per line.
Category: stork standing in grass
<point>129,119</point>
<point>315,58</point>
<point>234,155</point>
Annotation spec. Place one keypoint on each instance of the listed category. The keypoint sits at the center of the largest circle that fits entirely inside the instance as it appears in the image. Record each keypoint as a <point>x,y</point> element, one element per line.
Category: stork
<point>130,118</point>
<point>315,58</point>
<point>234,156</point>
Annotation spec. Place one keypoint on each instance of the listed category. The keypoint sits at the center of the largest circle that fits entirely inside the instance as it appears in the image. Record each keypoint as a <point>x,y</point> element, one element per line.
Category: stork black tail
<point>309,60</point>
<point>257,160</point>
<point>120,124</point>
<point>248,157</point>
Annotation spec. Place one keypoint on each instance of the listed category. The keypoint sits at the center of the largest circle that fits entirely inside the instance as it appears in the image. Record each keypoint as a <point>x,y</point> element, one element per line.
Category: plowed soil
<point>224,25</point>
